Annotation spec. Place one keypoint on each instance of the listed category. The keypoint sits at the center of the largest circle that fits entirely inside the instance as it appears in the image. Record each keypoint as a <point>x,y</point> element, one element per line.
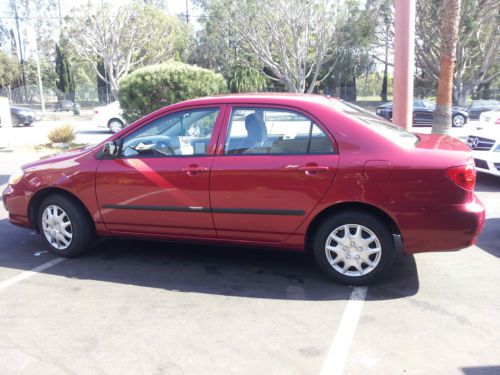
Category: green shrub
<point>62,134</point>
<point>152,87</point>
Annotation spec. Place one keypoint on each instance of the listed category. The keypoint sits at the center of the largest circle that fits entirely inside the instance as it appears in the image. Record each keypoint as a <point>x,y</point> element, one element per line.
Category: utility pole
<point>38,70</point>
<point>404,66</point>
<point>23,75</point>
<point>187,11</point>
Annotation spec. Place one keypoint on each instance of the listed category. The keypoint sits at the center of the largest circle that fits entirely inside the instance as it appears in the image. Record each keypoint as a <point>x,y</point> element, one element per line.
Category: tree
<point>351,55</point>
<point>216,49</point>
<point>292,39</point>
<point>125,38</point>
<point>441,122</point>
<point>9,69</point>
<point>477,44</point>
<point>65,82</point>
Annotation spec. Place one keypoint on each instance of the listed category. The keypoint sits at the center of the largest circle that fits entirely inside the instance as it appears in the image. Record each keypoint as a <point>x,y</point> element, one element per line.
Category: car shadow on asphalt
<point>487,183</point>
<point>489,240</point>
<point>217,270</point>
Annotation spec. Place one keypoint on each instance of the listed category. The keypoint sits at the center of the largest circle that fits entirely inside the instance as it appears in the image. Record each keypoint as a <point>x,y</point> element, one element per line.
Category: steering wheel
<point>163,148</point>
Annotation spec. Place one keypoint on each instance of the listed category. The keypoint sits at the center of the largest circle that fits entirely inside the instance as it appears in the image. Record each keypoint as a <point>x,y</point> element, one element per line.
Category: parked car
<point>110,116</point>
<point>485,143</point>
<point>423,113</point>
<point>67,105</point>
<point>295,172</point>
<point>489,119</point>
<point>476,107</point>
<point>21,116</point>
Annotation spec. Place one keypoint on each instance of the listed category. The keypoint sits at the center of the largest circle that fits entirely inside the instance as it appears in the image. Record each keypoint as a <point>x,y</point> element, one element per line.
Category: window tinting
<point>274,131</point>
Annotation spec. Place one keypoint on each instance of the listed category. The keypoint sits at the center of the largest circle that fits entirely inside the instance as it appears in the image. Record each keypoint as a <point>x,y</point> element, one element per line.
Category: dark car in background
<point>66,106</point>
<point>476,107</point>
<point>423,112</point>
<point>21,116</point>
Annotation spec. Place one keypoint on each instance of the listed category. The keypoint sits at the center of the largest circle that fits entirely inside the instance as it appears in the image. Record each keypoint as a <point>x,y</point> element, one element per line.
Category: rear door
<point>160,182</point>
<point>272,167</point>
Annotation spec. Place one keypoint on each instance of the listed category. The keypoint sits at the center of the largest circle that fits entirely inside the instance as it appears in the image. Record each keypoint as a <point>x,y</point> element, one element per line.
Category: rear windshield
<point>381,126</point>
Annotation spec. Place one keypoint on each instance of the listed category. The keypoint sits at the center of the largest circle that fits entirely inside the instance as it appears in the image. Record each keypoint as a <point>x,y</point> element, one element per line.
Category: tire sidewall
<point>81,228</point>
<point>373,223</point>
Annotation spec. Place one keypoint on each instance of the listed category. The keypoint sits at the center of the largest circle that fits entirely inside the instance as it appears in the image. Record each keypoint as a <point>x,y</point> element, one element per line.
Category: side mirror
<point>110,149</point>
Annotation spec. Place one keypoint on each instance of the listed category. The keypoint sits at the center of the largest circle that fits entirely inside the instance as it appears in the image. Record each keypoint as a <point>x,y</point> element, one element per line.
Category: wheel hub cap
<point>353,250</point>
<point>57,227</point>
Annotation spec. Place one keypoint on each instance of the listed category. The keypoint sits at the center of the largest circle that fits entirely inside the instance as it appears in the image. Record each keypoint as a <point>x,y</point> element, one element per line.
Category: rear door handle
<point>313,169</point>
<point>194,170</point>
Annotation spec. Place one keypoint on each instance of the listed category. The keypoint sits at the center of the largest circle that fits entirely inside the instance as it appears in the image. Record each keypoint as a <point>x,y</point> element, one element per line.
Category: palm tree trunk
<point>441,123</point>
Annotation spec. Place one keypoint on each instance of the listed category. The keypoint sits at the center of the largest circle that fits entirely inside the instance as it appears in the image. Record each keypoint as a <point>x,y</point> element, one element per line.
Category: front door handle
<point>194,170</point>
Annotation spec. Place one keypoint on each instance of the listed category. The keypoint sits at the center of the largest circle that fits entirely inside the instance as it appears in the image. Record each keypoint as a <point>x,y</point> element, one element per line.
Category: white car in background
<point>110,116</point>
<point>485,143</point>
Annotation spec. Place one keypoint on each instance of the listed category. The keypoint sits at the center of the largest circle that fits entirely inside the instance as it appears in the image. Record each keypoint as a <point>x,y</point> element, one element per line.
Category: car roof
<point>262,98</point>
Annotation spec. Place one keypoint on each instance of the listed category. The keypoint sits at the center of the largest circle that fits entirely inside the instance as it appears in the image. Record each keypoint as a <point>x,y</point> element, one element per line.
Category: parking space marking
<point>336,357</point>
<point>23,276</point>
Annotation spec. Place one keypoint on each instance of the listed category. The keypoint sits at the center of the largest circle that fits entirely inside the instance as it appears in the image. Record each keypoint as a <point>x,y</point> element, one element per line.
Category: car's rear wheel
<point>115,126</point>
<point>354,248</point>
<point>65,227</point>
<point>458,121</point>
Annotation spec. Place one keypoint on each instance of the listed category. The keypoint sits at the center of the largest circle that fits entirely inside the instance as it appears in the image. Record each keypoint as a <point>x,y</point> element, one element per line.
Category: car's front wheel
<point>458,121</point>
<point>65,227</point>
<point>354,248</point>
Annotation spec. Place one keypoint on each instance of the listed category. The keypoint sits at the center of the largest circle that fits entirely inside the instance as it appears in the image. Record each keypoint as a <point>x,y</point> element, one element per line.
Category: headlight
<point>497,149</point>
<point>16,177</point>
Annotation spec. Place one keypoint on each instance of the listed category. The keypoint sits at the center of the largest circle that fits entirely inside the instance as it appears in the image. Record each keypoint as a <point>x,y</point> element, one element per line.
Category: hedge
<point>152,87</point>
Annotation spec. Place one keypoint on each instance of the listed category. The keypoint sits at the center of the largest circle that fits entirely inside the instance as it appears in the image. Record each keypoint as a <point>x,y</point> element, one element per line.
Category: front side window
<point>274,131</point>
<point>183,133</point>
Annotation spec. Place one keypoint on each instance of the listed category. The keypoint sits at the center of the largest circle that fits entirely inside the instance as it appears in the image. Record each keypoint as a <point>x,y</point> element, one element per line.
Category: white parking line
<point>23,276</point>
<point>336,357</point>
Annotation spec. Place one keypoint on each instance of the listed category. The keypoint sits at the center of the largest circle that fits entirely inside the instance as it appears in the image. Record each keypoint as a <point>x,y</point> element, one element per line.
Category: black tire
<point>375,225</point>
<point>82,227</point>
<point>459,119</point>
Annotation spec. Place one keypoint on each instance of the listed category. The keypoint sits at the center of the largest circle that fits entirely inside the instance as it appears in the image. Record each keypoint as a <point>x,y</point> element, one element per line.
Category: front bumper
<point>487,162</point>
<point>16,204</point>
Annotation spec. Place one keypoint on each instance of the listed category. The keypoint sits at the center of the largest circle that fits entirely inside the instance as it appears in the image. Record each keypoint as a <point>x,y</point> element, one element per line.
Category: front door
<point>272,168</point>
<point>160,182</point>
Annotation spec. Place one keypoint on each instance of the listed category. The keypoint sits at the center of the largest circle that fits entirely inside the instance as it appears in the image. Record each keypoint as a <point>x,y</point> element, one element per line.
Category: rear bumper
<point>442,228</point>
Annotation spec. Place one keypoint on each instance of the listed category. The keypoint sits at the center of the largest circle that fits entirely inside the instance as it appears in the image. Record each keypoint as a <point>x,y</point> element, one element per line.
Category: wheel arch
<point>348,206</point>
<point>37,199</point>
<point>115,119</point>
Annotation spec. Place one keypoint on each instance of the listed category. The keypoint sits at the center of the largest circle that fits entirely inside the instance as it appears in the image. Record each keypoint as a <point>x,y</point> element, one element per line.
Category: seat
<point>256,133</point>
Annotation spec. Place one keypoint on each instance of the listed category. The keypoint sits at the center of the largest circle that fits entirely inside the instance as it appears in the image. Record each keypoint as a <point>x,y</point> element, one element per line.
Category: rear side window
<point>274,131</point>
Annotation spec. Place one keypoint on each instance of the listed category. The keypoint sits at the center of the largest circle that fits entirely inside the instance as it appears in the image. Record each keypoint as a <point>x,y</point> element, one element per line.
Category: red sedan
<point>297,172</point>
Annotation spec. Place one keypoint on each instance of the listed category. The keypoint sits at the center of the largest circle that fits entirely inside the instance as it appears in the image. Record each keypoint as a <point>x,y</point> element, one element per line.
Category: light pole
<point>404,66</point>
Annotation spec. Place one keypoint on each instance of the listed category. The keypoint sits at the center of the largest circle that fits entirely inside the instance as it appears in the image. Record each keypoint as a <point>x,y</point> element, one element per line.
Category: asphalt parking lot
<point>132,307</point>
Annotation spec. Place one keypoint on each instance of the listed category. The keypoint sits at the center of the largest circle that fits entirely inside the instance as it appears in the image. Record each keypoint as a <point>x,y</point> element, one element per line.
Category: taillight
<point>464,176</point>
<point>96,111</point>
<point>497,122</point>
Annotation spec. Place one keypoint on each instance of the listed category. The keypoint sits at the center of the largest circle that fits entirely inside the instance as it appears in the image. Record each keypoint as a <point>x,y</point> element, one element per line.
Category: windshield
<point>381,126</point>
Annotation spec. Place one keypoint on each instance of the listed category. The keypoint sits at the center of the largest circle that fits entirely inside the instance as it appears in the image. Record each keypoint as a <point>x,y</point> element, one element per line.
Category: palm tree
<point>449,33</point>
